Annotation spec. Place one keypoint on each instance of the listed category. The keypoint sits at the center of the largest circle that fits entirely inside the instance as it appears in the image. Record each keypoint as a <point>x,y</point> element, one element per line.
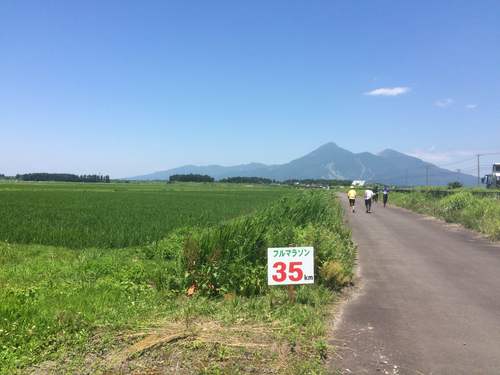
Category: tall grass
<point>477,213</point>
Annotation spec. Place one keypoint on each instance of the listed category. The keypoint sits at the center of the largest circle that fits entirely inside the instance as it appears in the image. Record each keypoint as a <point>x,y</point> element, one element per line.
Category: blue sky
<point>130,87</point>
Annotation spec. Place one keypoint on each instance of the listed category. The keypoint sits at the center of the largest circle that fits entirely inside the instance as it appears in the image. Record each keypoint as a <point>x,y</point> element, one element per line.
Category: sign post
<point>290,266</point>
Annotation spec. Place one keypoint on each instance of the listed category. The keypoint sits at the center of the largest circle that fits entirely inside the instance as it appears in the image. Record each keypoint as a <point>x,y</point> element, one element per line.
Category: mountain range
<point>333,162</point>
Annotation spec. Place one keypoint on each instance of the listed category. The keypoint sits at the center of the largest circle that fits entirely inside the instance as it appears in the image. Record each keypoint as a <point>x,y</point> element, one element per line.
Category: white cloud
<point>443,103</point>
<point>471,106</point>
<point>388,91</point>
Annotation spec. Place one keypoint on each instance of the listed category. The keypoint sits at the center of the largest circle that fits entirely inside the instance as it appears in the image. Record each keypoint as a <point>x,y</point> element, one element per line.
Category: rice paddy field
<point>164,278</point>
<point>118,215</point>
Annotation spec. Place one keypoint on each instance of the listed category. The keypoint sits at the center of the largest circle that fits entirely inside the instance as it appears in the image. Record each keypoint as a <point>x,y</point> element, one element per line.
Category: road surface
<point>428,300</point>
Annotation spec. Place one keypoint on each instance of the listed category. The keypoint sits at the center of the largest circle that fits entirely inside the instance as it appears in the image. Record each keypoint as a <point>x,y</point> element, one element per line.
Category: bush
<point>455,185</point>
<point>335,275</point>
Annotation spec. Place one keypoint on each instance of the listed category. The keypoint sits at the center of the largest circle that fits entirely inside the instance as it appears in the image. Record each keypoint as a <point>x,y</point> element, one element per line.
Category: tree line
<point>63,177</point>
<point>257,180</point>
<point>190,178</point>
<point>318,181</point>
<point>247,180</point>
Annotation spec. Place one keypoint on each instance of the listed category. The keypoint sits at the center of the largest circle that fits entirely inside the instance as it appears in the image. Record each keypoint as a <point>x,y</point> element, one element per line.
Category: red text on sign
<point>295,272</point>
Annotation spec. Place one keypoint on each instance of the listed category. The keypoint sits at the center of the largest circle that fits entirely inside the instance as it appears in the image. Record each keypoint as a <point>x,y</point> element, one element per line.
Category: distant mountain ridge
<point>333,162</point>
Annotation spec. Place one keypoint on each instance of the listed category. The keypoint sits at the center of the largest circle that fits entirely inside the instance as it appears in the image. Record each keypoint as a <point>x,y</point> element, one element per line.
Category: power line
<point>455,162</point>
<point>421,172</point>
<point>489,154</point>
<point>418,173</point>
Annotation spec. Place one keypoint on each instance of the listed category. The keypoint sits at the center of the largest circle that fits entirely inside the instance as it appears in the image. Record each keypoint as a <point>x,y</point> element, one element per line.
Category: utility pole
<point>458,175</point>
<point>427,175</point>
<point>406,178</point>
<point>478,173</point>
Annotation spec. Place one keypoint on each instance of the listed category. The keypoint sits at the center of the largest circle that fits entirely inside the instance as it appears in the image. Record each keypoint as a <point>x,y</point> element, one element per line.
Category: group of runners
<point>370,196</point>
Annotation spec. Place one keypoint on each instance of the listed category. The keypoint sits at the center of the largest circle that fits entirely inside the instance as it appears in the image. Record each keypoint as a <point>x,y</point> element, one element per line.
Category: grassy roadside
<point>478,213</point>
<point>98,310</point>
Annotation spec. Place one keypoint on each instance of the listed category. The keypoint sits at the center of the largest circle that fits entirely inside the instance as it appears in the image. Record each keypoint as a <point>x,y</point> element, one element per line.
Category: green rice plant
<point>111,216</point>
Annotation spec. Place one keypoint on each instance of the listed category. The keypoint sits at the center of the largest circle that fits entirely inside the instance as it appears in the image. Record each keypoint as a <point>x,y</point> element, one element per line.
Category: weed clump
<point>451,207</point>
<point>335,275</point>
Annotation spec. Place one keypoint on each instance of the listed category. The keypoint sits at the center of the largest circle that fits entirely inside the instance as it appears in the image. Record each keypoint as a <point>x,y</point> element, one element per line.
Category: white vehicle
<point>492,180</point>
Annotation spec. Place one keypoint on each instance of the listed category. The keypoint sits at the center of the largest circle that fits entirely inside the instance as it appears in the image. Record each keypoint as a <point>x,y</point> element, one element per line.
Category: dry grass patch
<point>205,347</point>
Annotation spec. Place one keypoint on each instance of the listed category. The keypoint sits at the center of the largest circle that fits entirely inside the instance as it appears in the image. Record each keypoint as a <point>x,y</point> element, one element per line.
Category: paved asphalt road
<point>428,300</point>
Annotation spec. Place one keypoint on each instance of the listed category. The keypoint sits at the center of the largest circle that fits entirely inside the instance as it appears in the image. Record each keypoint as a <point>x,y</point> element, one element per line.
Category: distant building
<point>358,183</point>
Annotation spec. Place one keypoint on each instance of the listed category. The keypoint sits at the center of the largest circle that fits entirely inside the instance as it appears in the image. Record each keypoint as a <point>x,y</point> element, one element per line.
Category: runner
<point>368,200</point>
<point>386,194</point>
<point>351,194</point>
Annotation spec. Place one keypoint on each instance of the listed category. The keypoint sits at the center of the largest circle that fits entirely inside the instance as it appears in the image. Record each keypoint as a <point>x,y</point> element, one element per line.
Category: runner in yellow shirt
<point>351,194</point>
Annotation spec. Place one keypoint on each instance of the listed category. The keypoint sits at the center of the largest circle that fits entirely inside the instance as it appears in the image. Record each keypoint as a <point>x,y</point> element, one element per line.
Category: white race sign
<point>290,265</point>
